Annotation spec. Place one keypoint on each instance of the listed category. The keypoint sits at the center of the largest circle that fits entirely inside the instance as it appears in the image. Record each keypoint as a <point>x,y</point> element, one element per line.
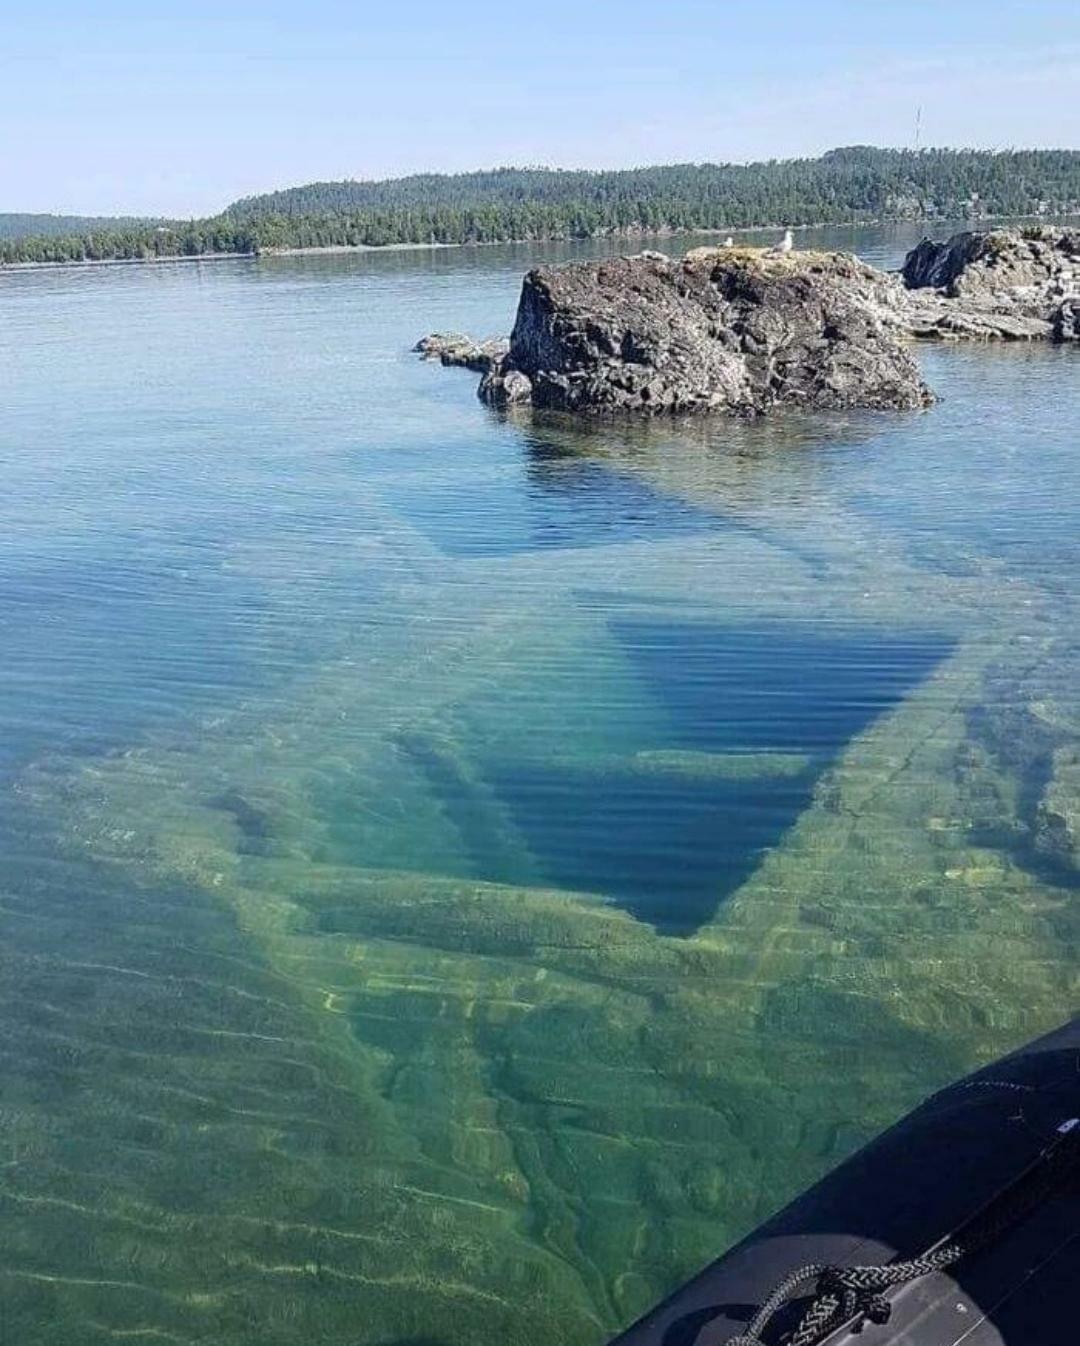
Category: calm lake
<point>460,872</point>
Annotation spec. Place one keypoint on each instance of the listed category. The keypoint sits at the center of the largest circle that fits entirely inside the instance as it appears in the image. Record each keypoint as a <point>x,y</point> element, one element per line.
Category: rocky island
<point>1009,284</point>
<point>749,330</point>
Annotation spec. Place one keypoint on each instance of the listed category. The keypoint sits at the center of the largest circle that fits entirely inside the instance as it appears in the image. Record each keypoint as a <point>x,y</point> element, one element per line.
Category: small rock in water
<point>453,348</point>
<point>505,388</point>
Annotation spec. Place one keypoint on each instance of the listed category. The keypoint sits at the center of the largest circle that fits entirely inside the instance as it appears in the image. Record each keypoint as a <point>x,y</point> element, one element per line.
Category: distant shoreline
<point>125,261</point>
<point>344,249</point>
<point>263,252</point>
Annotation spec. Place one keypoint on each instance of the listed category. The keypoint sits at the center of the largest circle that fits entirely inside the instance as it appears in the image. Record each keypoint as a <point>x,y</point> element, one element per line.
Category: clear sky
<point>111,106</point>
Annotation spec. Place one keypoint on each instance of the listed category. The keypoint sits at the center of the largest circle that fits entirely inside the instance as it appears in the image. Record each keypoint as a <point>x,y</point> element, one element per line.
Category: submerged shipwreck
<point>958,1224</point>
<point>746,331</point>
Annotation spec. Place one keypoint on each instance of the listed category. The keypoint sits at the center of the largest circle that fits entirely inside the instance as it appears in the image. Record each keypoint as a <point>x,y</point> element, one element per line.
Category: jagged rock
<point>504,387</point>
<point>999,263</point>
<point>1008,284</point>
<point>453,348</point>
<point>733,330</point>
<point>748,330</point>
<point>935,266</point>
<point>1067,321</point>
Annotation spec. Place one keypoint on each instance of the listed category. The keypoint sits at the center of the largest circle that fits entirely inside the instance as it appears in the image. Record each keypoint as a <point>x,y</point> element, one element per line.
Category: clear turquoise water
<point>459,872</point>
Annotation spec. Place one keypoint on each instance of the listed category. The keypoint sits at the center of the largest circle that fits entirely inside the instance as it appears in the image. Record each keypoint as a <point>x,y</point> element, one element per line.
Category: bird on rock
<point>786,243</point>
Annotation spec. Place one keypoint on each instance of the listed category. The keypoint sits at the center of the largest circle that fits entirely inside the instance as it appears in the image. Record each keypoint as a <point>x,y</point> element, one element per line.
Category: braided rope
<point>854,1294</point>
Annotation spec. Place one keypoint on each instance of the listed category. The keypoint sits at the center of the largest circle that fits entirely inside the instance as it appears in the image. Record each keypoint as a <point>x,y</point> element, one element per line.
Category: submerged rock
<point>732,330</point>
<point>1057,832</point>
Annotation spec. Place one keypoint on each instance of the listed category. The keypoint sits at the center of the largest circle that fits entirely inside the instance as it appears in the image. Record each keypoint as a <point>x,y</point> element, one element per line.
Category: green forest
<point>509,204</point>
<point>16,226</point>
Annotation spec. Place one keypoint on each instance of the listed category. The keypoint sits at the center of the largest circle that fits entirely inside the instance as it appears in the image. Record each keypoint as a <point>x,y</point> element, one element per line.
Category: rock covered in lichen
<point>735,330</point>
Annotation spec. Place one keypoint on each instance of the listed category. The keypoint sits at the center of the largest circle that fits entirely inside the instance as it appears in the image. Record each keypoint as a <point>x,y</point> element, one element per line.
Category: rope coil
<point>856,1295</point>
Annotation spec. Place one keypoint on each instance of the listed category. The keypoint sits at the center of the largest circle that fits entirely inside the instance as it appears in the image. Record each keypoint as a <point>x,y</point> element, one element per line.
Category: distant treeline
<point>64,226</point>
<point>506,204</point>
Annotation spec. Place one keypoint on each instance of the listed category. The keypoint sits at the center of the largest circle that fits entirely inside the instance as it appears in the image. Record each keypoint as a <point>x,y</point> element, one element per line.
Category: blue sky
<point>111,107</point>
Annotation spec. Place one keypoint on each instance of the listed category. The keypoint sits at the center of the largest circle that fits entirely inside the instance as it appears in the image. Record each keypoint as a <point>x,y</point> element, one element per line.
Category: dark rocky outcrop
<point>750,330</point>
<point>724,329</point>
<point>1002,263</point>
<point>936,266</point>
<point>1066,321</point>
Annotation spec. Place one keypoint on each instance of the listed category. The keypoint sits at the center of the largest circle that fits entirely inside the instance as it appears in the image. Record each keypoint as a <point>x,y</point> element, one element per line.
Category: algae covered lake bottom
<point>460,873</point>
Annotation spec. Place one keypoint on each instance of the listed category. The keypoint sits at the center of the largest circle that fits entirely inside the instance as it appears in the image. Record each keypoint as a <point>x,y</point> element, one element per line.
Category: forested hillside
<point>857,183</point>
<point>860,180</point>
<point>63,226</point>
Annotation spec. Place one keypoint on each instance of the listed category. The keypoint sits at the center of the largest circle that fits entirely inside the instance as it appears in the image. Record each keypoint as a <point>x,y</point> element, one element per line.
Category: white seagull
<point>786,243</point>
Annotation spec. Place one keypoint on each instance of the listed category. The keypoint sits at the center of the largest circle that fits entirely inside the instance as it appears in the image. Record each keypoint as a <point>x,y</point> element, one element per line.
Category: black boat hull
<point>923,1179</point>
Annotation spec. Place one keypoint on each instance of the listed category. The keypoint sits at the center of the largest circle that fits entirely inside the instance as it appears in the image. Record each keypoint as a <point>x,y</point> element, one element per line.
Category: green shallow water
<point>460,873</point>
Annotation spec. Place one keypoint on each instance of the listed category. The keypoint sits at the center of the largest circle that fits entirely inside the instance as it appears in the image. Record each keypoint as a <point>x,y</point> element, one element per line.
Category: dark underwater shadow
<point>692,778</point>
<point>734,476</point>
